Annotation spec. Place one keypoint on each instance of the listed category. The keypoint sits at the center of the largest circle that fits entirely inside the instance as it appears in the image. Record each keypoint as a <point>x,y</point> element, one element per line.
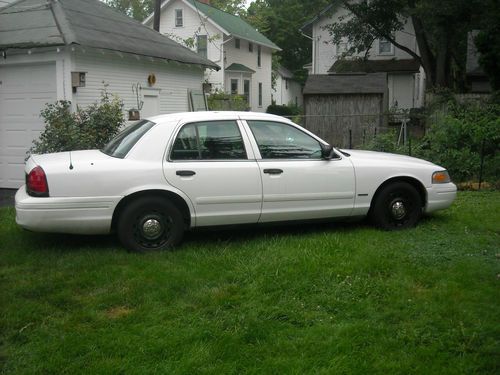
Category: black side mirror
<point>326,151</point>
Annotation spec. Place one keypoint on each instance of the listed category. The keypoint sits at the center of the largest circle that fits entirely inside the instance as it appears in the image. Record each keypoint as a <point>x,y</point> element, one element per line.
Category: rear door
<point>297,183</point>
<point>214,165</point>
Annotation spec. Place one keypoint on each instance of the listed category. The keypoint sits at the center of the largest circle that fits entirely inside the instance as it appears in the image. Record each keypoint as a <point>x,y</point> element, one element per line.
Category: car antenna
<point>70,161</point>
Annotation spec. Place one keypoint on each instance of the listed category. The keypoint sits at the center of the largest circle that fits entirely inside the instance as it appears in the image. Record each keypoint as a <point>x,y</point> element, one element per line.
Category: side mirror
<point>326,151</point>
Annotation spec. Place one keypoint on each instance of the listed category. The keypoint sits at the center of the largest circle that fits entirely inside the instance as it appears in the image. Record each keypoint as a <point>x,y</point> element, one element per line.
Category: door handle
<point>273,171</point>
<point>185,173</point>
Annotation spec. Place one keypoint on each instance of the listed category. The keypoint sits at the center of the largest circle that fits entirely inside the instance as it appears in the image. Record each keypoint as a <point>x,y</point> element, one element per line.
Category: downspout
<point>313,65</point>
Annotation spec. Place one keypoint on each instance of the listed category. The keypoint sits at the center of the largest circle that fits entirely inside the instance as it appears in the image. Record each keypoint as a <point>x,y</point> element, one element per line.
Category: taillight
<point>36,183</point>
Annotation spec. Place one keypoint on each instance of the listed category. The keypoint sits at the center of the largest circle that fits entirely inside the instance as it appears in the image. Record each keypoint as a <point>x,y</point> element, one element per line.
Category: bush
<point>89,128</point>
<point>220,101</point>
<point>284,110</point>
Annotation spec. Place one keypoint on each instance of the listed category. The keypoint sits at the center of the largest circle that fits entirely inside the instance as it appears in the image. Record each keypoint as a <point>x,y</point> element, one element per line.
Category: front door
<point>297,183</point>
<point>209,162</point>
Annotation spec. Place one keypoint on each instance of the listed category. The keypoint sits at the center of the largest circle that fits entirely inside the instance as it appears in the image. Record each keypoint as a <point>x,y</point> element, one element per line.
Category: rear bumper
<point>440,196</point>
<point>82,215</point>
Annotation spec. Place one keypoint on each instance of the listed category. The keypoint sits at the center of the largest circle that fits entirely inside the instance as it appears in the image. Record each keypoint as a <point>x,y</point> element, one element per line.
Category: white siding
<point>122,71</point>
<point>285,96</point>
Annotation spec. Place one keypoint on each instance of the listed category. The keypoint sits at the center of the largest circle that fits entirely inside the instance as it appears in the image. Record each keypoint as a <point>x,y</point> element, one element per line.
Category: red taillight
<point>36,183</point>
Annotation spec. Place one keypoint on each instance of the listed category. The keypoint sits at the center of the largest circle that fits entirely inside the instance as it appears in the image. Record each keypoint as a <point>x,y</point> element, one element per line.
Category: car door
<point>297,183</point>
<point>214,165</point>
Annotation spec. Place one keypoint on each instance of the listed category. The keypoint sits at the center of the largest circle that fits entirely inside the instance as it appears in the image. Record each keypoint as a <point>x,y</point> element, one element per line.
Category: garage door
<point>24,90</point>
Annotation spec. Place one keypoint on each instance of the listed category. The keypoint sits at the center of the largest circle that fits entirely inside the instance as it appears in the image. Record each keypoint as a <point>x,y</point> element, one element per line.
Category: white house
<point>68,50</point>
<point>405,76</point>
<point>286,91</point>
<point>243,53</point>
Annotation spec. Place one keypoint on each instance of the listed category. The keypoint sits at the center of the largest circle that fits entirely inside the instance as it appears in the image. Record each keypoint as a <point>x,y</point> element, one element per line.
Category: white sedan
<point>170,173</point>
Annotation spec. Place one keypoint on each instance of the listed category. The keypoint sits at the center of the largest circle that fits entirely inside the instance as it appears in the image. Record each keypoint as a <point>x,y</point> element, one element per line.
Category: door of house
<point>151,103</point>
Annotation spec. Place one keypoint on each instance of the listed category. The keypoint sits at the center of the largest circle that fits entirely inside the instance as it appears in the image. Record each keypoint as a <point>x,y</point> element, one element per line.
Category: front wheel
<point>149,224</point>
<point>397,206</point>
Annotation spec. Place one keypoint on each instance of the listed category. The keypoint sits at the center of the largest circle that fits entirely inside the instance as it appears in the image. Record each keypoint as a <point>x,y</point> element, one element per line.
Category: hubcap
<point>398,210</point>
<point>152,229</point>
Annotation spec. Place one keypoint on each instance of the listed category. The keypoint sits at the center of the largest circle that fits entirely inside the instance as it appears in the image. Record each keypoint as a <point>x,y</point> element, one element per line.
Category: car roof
<point>215,115</point>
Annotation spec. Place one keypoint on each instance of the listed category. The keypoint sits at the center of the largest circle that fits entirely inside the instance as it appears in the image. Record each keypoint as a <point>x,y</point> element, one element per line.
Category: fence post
<point>350,138</point>
<point>409,146</point>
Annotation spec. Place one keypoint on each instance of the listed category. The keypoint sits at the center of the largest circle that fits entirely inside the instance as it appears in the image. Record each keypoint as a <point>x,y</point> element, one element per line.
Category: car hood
<point>362,156</point>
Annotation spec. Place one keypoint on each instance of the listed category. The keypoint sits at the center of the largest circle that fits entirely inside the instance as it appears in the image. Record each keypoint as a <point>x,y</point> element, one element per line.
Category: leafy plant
<point>87,128</point>
<point>221,101</point>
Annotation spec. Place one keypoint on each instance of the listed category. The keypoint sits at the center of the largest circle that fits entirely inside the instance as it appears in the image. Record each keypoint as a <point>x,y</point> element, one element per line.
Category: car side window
<point>282,141</point>
<point>211,140</point>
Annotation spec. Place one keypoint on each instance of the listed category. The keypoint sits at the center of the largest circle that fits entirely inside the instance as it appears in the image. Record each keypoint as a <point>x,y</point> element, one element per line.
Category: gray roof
<point>322,84</point>
<point>239,68</point>
<point>373,66</point>
<point>284,72</point>
<point>89,23</point>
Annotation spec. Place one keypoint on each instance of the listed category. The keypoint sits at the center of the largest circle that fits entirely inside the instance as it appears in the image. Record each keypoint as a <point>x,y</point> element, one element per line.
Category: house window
<point>237,43</point>
<point>178,18</point>
<point>201,45</point>
<point>246,90</point>
<point>260,94</point>
<point>250,47</point>
<point>385,47</point>
<point>342,47</point>
<point>258,56</point>
<point>234,87</point>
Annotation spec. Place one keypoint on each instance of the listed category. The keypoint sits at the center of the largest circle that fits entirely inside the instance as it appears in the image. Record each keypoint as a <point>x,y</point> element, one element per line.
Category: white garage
<point>24,90</point>
<point>44,45</point>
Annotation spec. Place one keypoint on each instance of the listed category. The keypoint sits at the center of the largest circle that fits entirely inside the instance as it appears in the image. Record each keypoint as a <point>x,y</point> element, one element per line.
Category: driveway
<point>7,197</point>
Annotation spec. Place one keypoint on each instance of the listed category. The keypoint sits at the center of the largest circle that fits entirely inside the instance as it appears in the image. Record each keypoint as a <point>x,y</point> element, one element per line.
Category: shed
<point>345,109</point>
<point>70,50</point>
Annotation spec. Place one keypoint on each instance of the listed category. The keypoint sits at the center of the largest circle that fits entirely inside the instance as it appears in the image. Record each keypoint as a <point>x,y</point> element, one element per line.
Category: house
<point>286,90</point>
<point>476,77</point>
<point>243,53</point>
<point>67,50</point>
<point>405,76</point>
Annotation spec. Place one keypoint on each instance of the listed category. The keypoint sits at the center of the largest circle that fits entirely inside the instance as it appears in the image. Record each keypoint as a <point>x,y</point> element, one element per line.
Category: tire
<point>397,206</point>
<point>150,224</point>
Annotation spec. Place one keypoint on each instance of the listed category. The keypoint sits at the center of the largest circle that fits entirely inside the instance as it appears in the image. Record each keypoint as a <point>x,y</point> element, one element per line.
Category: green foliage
<point>89,128</point>
<point>137,9</point>
<point>220,101</point>
<point>456,141</point>
<point>284,110</point>
<point>306,299</point>
<point>280,21</point>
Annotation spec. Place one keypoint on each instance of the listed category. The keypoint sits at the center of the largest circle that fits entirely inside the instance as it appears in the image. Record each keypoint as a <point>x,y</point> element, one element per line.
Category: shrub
<point>220,101</point>
<point>88,128</point>
<point>284,110</point>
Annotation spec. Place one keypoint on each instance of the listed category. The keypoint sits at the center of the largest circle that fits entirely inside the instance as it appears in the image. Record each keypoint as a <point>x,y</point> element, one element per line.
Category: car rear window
<point>120,145</point>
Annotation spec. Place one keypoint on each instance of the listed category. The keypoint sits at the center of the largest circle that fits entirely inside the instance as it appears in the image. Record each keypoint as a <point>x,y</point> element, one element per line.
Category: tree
<point>440,30</point>
<point>137,9</point>
<point>488,42</point>
<point>280,21</point>
<point>236,7</point>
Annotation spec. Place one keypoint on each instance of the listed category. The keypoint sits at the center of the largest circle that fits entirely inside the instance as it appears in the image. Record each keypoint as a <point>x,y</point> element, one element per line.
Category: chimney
<point>156,17</point>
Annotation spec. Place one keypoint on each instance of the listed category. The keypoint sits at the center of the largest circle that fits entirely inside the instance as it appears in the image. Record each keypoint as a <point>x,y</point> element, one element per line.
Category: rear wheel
<point>150,224</point>
<point>397,206</point>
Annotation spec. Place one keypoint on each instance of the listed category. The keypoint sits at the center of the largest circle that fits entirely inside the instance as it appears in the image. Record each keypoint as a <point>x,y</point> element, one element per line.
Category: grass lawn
<point>327,298</point>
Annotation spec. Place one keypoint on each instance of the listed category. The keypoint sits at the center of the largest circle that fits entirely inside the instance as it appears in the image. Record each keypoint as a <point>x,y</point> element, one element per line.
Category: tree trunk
<point>442,60</point>
<point>426,55</point>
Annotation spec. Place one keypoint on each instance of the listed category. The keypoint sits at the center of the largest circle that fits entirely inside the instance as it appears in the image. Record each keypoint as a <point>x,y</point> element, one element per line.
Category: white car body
<point>84,199</point>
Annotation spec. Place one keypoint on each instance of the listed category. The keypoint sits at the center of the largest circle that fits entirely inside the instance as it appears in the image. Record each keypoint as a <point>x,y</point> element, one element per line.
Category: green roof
<point>233,24</point>
<point>239,68</point>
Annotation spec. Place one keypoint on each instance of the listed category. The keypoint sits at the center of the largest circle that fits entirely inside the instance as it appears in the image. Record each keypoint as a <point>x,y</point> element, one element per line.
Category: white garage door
<point>24,90</point>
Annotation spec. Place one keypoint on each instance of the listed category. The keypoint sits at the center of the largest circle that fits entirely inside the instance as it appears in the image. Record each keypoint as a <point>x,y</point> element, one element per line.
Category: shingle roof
<point>322,84</point>
<point>233,24</point>
<point>373,66</point>
<point>89,23</point>
<point>239,68</point>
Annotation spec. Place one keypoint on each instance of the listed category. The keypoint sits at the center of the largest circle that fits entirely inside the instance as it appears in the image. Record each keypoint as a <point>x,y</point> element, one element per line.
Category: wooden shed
<point>345,109</point>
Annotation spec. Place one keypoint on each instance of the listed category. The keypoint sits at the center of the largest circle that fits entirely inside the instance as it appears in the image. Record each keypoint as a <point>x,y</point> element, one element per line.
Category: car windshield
<point>120,145</point>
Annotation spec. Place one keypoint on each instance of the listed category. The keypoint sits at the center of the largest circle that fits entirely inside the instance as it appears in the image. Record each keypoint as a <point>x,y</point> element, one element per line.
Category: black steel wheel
<point>397,206</point>
<point>150,224</point>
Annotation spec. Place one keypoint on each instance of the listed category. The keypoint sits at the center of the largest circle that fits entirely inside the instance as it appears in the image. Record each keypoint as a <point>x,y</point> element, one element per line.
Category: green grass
<point>319,299</point>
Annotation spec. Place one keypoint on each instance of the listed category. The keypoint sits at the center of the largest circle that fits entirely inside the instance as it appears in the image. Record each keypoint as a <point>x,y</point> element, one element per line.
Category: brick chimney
<point>156,15</point>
